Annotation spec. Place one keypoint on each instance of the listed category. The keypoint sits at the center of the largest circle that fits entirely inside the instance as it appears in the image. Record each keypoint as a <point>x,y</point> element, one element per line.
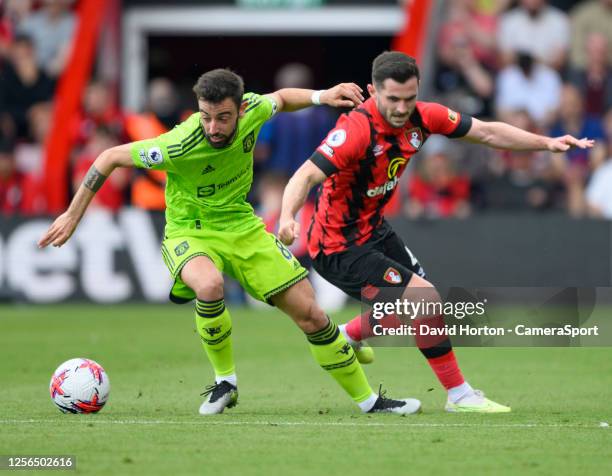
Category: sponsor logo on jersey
<point>381,190</point>
<point>154,154</point>
<point>415,137</point>
<point>248,142</point>
<point>392,276</point>
<point>181,248</point>
<point>209,190</point>
<point>327,150</point>
<point>206,191</point>
<point>452,116</point>
<point>395,165</point>
<point>208,169</point>
<point>378,149</point>
<point>336,138</point>
<point>233,179</point>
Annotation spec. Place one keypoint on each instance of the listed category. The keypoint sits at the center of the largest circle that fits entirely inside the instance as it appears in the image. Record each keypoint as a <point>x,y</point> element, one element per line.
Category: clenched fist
<point>288,231</point>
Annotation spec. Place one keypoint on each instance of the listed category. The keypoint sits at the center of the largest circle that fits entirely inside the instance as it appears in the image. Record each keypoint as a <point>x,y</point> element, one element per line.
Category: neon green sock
<point>331,350</point>
<point>215,328</point>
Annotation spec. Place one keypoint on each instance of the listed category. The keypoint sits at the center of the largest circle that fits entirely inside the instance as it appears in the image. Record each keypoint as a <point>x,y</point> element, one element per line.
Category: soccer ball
<point>79,386</point>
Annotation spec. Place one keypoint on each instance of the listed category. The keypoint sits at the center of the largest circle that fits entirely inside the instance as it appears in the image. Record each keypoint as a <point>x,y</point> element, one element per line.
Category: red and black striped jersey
<point>363,158</point>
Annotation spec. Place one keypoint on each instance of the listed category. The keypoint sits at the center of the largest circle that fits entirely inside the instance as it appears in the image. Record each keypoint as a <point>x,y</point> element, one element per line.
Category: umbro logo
<point>209,168</point>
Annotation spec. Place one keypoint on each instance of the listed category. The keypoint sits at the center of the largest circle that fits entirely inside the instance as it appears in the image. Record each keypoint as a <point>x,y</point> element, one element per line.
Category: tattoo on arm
<point>94,179</point>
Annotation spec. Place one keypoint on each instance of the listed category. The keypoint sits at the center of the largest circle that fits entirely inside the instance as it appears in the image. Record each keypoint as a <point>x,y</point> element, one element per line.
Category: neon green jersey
<point>207,185</point>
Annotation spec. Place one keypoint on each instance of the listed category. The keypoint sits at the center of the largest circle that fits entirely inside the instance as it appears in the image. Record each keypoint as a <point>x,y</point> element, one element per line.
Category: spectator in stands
<point>588,17</point>
<point>595,80</point>
<point>467,58</point>
<point>6,35</point>
<point>466,23</point>
<point>531,86</point>
<point>437,191</point>
<point>518,182</point>
<point>287,140</point>
<point>163,102</point>
<point>599,190</point>
<point>10,180</point>
<point>536,28</point>
<point>113,193</point>
<point>22,84</point>
<point>30,158</point>
<point>163,112</point>
<point>521,186</point>
<point>16,11</point>
<point>99,109</point>
<point>51,29</point>
<point>576,166</point>
<point>573,120</point>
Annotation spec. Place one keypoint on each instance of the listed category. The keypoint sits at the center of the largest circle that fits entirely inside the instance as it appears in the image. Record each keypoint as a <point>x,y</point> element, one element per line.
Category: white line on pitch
<point>307,423</point>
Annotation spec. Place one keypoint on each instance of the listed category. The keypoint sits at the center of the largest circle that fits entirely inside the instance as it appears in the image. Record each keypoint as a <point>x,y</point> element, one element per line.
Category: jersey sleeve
<point>259,108</point>
<point>440,119</point>
<point>345,143</point>
<point>155,153</point>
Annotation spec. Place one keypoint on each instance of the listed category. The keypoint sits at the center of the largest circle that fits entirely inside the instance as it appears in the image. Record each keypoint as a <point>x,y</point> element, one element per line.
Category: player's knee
<point>209,288</point>
<point>312,319</point>
<point>419,289</point>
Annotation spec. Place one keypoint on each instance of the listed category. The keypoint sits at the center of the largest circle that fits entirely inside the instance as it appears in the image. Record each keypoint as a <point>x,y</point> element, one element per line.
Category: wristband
<point>316,97</point>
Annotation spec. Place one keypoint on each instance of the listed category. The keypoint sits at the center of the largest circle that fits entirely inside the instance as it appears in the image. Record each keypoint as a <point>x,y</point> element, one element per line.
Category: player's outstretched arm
<point>341,95</point>
<point>64,225</point>
<point>504,136</point>
<point>296,192</point>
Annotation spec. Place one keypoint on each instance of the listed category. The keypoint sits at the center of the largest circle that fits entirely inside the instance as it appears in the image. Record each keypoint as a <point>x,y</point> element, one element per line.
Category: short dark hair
<point>393,65</point>
<point>218,84</point>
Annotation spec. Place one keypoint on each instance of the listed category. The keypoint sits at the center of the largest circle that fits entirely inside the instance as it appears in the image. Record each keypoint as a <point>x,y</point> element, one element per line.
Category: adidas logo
<point>209,168</point>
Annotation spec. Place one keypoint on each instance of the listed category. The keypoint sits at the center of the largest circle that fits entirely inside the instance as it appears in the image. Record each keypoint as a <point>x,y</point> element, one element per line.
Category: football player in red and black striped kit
<point>358,165</point>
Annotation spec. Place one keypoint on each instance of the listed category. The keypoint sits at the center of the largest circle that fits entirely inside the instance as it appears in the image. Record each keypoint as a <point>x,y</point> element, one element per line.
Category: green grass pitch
<point>291,419</point>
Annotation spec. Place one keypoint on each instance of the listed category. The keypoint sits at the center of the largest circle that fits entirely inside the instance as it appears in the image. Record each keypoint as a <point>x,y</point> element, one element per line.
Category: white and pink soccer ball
<point>79,386</point>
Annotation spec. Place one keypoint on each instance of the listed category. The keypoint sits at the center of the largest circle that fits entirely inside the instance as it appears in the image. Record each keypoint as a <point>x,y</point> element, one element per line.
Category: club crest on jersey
<point>393,276</point>
<point>394,166</point>
<point>452,116</point>
<point>248,142</point>
<point>415,137</point>
<point>336,138</point>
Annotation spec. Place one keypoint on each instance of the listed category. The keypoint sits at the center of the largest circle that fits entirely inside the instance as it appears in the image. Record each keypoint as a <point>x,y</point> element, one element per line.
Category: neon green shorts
<point>253,257</point>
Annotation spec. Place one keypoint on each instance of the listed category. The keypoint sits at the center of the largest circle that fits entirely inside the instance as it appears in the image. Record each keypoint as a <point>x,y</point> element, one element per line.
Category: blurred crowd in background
<point>544,66</point>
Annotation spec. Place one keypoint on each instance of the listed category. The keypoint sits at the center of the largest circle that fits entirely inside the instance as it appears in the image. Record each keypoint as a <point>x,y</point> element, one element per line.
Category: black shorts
<point>361,271</point>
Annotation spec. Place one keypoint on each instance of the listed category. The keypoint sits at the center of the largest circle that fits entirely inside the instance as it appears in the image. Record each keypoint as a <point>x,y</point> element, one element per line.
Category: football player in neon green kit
<point>211,229</point>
